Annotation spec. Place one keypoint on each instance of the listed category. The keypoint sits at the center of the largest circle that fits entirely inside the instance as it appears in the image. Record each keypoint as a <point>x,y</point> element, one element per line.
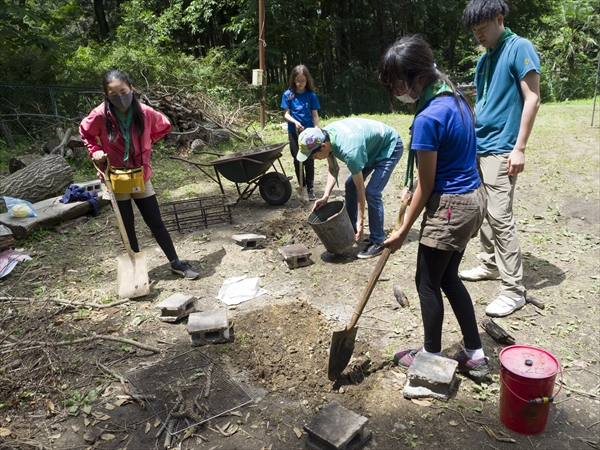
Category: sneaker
<point>503,306</point>
<point>371,250</point>
<point>476,368</point>
<point>184,269</point>
<point>405,358</point>
<point>479,273</point>
<point>311,195</point>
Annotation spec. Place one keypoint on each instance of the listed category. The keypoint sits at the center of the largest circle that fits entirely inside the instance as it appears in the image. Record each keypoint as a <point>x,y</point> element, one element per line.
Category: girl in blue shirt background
<point>301,105</point>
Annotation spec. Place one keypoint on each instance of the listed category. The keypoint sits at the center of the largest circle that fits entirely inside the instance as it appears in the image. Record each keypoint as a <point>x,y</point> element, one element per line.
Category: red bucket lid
<point>529,362</point>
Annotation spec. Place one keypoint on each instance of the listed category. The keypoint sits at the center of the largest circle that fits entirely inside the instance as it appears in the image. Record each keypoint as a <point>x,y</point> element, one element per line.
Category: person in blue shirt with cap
<point>369,149</point>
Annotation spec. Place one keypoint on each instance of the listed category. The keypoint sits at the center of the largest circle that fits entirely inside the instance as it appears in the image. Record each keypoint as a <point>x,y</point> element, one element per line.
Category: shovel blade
<point>132,275</point>
<point>340,352</point>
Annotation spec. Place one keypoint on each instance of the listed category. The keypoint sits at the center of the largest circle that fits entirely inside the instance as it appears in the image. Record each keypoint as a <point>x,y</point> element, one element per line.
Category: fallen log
<point>20,162</point>
<point>42,179</point>
<point>49,212</point>
<point>7,238</point>
<point>497,332</point>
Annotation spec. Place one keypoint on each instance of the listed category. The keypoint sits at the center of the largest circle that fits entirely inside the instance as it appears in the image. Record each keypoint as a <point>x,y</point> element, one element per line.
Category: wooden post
<point>261,58</point>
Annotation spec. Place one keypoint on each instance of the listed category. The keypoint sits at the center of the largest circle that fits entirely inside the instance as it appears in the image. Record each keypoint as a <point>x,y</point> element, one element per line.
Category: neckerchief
<point>125,128</point>
<point>493,54</point>
<point>429,92</point>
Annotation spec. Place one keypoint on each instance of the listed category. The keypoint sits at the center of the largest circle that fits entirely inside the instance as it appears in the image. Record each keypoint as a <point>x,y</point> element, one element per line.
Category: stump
<point>45,178</point>
<point>7,239</point>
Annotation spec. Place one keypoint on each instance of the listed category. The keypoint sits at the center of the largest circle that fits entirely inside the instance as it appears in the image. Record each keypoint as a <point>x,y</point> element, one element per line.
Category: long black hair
<point>408,60</point>
<point>138,115</point>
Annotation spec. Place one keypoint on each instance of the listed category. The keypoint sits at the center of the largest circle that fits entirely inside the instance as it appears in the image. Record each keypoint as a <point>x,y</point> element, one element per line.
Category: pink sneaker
<point>476,368</point>
<point>405,358</point>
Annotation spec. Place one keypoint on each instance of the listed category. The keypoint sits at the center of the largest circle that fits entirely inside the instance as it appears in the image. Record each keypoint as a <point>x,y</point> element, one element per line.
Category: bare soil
<point>59,397</point>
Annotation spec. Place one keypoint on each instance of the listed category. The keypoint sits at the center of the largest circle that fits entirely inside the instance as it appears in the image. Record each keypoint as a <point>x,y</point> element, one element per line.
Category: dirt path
<point>57,396</point>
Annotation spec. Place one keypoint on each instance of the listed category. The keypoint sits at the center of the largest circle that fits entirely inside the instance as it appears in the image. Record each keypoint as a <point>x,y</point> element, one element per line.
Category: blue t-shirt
<point>447,129</point>
<point>301,108</point>
<point>499,119</point>
<point>360,143</point>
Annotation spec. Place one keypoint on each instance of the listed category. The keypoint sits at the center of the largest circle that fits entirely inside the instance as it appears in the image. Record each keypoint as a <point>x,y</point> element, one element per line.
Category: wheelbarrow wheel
<point>275,188</point>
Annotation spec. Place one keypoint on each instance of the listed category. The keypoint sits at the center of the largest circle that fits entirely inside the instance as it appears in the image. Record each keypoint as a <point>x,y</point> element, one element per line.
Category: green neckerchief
<point>429,92</point>
<point>493,53</point>
<point>125,128</point>
<point>336,167</point>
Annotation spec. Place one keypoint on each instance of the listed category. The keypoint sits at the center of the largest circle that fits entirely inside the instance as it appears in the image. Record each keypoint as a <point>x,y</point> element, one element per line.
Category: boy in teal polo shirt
<point>508,98</point>
<point>368,148</point>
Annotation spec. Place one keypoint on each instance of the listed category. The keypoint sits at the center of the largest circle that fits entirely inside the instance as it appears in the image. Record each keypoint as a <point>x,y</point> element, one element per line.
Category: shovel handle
<point>113,202</point>
<point>378,269</point>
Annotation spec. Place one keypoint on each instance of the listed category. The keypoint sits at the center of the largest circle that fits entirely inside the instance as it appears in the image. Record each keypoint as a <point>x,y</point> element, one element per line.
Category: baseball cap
<point>309,140</point>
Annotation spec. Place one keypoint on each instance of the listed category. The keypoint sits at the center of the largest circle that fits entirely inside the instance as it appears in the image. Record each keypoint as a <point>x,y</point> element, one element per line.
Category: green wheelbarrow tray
<point>250,167</point>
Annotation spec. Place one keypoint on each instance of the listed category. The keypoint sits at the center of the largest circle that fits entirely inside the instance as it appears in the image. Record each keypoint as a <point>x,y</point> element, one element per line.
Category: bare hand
<point>319,204</point>
<point>515,163</point>
<point>99,156</point>
<point>299,127</point>
<point>394,241</point>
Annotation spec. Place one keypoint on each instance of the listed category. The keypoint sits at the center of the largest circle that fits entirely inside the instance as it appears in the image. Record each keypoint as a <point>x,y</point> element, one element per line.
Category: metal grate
<point>188,215</point>
<point>187,390</point>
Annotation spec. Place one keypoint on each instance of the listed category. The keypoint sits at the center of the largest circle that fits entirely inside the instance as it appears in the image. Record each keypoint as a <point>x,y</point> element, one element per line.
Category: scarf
<point>429,92</point>
<point>125,129</point>
<point>493,54</point>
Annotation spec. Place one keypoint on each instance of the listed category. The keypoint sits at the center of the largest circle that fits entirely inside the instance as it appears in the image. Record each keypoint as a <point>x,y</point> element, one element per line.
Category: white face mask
<point>406,98</point>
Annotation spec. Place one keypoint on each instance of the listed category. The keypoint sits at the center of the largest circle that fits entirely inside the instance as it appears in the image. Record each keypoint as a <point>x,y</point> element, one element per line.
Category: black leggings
<point>437,270</point>
<point>309,164</point>
<point>151,213</point>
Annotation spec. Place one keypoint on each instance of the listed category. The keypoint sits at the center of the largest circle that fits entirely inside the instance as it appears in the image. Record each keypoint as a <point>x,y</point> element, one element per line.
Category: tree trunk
<point>100,16</point>
<point>48,177</point>
<point>7,238</point>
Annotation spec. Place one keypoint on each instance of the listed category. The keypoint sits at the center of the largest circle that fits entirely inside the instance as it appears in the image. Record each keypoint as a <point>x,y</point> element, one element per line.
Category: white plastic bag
<point>19,208</point>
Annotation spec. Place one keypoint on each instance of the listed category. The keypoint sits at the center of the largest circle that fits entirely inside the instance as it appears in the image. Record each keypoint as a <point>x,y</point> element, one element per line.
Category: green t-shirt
<point>360,143</point>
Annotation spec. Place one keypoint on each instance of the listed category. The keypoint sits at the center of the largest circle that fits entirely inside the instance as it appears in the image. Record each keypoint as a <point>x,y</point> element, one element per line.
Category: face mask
<point>406,98</point>
<point>122,101</point>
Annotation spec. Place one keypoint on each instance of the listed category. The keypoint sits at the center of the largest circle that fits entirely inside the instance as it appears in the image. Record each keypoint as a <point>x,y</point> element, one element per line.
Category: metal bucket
<point>332,224</point>
<point>527,377</point>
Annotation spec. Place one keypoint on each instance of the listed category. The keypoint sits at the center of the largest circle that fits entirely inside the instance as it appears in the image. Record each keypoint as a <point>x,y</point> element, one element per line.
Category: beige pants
<point>500,247</point>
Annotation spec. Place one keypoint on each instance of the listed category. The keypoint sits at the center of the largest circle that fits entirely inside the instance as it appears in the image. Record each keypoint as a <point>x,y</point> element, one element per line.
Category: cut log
<point>20,162</point>
<point>534,301</point>
<point>497,332</point>
<point>49,212</point>
<point>7,238</point>
<point>45,178</point>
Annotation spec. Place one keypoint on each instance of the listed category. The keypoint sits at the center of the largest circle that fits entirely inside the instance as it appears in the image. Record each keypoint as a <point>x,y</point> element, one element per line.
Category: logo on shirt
<point>526,61</point>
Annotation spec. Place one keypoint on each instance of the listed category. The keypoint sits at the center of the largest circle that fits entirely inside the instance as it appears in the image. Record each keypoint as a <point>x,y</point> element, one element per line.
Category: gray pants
<point>500,247</point>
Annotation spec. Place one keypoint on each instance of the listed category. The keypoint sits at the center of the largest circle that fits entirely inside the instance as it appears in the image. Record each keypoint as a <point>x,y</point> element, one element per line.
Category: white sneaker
<point>479,273</point>
<point>503,306</point>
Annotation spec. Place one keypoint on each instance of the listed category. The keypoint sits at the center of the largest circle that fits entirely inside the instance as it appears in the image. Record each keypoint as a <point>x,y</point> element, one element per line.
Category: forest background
<point>211,46</point>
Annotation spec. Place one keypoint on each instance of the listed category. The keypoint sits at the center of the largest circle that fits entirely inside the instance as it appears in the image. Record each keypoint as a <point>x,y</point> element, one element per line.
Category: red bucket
<point>527,377</point>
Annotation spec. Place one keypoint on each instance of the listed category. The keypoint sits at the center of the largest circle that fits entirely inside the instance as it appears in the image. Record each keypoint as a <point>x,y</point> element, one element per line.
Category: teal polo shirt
<point>360,143</point>
<point>499,119</point>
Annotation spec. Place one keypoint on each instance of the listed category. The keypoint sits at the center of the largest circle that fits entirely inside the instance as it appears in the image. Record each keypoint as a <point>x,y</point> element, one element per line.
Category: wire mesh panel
<point>188,215</point>
<point>187,390</point>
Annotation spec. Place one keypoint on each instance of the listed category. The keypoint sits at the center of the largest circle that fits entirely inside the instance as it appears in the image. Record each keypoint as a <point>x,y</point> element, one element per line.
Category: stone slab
<point>431,376</point>
<point>295,255</point>
<point>248,240</point>
<point>176,307</point>
<point>208,327</point>
<point>336,428</point>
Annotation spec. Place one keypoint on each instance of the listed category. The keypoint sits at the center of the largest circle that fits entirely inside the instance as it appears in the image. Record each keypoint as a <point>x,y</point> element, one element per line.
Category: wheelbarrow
<point>250,167</point>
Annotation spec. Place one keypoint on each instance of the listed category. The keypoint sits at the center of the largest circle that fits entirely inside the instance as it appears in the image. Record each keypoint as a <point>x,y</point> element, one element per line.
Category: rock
<point>91,435</point>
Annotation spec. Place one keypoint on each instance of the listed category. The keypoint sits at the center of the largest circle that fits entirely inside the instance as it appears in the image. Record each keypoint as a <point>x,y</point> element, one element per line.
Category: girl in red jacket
<point>125,129</point>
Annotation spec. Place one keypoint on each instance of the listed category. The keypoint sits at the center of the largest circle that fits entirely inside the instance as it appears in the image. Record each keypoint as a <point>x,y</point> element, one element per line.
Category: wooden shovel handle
<point>378,269</point>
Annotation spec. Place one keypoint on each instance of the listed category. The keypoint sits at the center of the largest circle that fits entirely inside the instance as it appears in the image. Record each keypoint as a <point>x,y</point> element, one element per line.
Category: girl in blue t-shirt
<point>300,105</point>
<point>448,192</point>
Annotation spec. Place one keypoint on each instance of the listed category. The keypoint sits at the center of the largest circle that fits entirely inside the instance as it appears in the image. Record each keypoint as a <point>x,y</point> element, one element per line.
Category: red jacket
<point>94,135</point>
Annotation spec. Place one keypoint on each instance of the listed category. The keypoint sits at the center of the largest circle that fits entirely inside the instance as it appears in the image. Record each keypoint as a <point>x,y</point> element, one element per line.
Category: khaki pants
<point>500,247</point>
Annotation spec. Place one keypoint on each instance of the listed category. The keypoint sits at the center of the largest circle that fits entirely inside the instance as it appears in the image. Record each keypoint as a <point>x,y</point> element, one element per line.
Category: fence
<point>32,112</point>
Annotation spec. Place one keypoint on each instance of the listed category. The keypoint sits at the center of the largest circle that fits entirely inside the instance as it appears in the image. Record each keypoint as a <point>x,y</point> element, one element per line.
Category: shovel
<point>342,341</point>
<point>300,191</point>
<point>132,268</point>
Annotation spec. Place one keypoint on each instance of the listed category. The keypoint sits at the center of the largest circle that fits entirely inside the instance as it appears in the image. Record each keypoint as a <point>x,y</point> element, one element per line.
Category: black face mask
<point>122,101</point>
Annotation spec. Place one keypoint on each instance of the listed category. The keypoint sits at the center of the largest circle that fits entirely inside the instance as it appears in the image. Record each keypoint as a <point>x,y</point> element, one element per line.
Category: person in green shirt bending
<point>369,149</point>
